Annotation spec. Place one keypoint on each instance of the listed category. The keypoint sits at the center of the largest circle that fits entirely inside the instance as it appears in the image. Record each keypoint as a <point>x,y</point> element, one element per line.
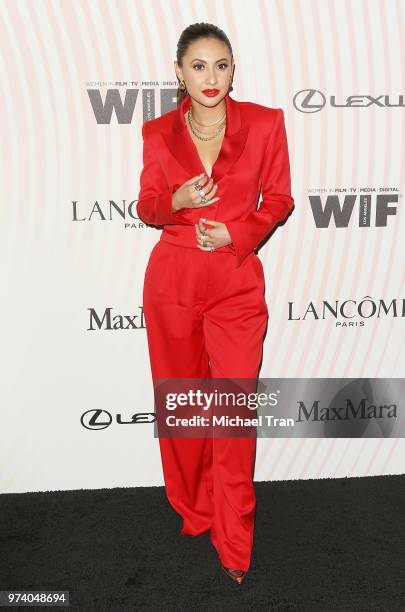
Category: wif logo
<point>371,209</point>
<point>124,107</point>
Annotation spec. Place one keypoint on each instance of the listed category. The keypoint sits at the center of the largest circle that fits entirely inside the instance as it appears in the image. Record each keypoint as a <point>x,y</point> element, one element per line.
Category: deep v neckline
<point>196,150</point>
<point>182,149</point>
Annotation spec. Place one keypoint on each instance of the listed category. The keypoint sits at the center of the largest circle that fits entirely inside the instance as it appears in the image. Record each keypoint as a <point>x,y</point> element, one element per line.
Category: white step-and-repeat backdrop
<point>78,78</point>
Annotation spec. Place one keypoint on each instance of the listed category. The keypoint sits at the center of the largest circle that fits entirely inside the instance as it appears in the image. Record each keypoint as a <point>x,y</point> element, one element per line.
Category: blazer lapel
<point>183,149</point>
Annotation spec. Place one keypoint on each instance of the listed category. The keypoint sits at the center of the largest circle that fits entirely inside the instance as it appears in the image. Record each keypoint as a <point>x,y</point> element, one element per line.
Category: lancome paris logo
<point>348,312</point>
<point>98,419</point>
<point>107,211</point>
<point>108,320</point>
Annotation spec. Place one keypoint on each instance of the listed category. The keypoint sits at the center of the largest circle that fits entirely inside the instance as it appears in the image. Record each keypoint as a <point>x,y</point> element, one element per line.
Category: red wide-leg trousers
<point>206,318</point>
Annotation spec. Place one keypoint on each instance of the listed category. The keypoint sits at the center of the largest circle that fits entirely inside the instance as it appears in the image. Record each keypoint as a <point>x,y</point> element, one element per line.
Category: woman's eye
<point>225,66</point>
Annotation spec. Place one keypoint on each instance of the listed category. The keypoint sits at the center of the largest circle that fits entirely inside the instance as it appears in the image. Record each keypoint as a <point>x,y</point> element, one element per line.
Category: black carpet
<point>320,545</point>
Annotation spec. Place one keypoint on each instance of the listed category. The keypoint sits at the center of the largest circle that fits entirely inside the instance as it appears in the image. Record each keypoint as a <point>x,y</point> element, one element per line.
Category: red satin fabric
<point>253,158</point>
<point>205,312</point>
<point>206,317</point>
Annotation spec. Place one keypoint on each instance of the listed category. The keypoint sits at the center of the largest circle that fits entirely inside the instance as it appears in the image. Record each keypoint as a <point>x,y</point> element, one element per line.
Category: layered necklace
<point>221,122</point>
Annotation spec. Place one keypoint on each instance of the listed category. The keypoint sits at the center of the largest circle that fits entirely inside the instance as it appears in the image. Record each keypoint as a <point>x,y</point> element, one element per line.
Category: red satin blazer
<point>253,157</point>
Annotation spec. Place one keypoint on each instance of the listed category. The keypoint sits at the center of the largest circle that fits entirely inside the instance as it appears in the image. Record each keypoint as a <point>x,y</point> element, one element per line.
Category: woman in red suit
<point>205,164</point>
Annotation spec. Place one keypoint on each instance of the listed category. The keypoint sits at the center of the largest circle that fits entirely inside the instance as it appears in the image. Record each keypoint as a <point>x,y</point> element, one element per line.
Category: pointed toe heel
<point>235,574</point>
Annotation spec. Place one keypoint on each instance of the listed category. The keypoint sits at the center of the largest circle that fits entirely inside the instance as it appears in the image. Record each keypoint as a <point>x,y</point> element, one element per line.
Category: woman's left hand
<point>215,238</point>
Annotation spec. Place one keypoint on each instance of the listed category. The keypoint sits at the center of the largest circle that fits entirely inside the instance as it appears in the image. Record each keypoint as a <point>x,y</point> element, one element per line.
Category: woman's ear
<point>176,69</point>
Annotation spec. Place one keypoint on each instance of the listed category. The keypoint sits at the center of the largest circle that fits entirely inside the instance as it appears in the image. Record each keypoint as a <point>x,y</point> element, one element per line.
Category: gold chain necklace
<point>207,124</point>
<point>196,134</point>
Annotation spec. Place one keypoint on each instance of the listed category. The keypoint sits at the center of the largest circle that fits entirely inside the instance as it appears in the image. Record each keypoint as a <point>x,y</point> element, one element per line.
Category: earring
<point>182,85</point>
<point>230,87</point>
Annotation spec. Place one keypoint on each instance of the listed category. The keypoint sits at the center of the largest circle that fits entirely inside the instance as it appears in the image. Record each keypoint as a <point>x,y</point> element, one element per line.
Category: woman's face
<point>206,65</point>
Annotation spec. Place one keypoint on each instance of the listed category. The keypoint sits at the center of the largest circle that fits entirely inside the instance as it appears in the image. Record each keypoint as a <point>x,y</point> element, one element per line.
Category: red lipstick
<point>211,92</point>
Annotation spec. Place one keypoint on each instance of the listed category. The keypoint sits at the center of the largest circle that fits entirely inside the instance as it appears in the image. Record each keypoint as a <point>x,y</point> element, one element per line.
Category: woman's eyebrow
<point>201,60</point>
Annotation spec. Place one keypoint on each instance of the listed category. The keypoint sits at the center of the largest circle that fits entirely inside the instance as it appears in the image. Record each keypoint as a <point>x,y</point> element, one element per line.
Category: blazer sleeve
<point>276,202</point>
<point>155,196</point>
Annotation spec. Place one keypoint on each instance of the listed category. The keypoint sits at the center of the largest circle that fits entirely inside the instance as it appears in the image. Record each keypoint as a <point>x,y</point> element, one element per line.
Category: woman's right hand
<point>187,196</point>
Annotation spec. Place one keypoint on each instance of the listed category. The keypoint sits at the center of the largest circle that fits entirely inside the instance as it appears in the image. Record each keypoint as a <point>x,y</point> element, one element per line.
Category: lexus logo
<point>101,419</point>
<point>309,100</point>
<point>313,100</point>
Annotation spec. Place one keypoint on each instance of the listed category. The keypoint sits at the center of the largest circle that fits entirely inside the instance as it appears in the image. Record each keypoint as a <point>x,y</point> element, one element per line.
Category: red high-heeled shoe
<point>236,574</point>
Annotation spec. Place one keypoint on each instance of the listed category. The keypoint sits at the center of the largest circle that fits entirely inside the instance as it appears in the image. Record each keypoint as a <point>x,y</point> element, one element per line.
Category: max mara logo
<point>109,321</point>
<point>348,412</point>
